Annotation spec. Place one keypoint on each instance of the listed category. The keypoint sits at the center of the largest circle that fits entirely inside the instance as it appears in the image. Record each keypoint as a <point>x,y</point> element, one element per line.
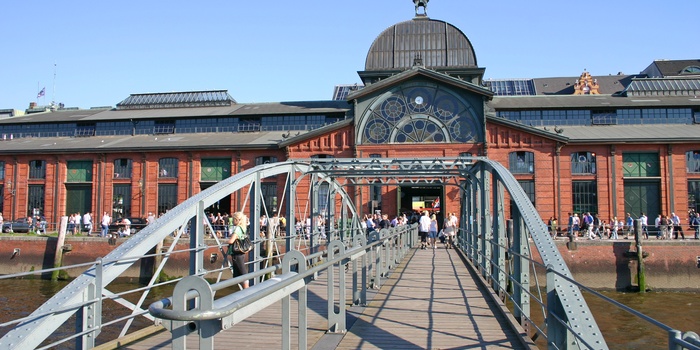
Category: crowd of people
<point>591,226</point>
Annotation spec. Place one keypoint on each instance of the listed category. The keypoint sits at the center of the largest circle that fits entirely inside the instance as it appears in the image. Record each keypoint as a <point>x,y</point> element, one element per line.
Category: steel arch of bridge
<point>483,235</point>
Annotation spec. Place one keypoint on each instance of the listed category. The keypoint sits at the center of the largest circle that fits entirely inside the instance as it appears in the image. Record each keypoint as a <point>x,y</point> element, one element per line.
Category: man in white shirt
<point>87,222</point>
<point>423,229</point>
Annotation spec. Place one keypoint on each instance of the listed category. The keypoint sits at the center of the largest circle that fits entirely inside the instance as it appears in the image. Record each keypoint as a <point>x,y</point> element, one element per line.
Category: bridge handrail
<point>689,340</point>
<point>158,308</point>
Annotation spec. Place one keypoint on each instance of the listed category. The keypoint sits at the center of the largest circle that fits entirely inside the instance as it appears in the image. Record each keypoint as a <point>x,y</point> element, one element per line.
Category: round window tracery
<point>416,113</point>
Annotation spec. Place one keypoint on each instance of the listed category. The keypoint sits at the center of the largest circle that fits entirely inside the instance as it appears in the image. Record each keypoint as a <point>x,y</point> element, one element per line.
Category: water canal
<point>622,330</point>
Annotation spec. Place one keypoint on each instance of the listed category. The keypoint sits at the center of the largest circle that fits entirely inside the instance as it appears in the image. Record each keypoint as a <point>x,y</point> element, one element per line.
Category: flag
<point>436,203</point>
<point>41,93</point>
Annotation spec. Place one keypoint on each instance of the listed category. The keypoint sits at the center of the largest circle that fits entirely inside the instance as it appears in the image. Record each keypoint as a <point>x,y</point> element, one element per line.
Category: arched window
<point>167,167</point>
<point>691,70</point>
<point>322,156</point>
<point>583,163</point>
<point>37,169</point>
<point>466,155</point>
<point>692,161</point>
<point>521,162</point>
<point>122,168</point>
<point>265,160</point>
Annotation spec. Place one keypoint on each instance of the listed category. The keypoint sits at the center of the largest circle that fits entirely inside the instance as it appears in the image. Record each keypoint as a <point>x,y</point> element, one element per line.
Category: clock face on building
<point>419,113</point>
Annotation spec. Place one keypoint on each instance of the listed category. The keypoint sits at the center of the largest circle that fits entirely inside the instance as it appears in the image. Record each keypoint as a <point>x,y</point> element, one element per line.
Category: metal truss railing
<point>370,257</point>
<point>485,238</point>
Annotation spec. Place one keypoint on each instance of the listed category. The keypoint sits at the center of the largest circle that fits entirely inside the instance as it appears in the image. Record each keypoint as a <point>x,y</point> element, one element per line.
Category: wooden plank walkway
<point>431,301</point>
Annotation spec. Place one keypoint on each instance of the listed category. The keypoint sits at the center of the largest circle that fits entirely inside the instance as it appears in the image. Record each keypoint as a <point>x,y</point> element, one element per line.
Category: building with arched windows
<point>604,144</point>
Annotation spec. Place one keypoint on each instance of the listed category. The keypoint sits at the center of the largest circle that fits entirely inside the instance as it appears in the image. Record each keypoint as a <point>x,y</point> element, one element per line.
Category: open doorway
<point>419,199</point>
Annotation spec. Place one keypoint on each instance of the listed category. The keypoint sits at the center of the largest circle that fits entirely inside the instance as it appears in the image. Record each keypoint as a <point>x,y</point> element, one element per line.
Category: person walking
<point>614,227</point>
<point>106,220</point>
<point>240,221</point>
<point>423,229</point>
<point>630,225</point>
<point>695,224</point>
<point>87,223</point>
<point>433,230</point>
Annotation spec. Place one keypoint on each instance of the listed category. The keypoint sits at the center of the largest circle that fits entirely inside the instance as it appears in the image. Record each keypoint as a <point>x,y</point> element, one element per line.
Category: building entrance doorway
<point>419,199</point>
<point>222,206</point>
<point>78,199</point>
<point>643,197</point>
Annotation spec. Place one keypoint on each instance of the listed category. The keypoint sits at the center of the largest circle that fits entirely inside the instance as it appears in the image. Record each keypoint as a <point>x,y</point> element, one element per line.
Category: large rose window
<point>419,114</point>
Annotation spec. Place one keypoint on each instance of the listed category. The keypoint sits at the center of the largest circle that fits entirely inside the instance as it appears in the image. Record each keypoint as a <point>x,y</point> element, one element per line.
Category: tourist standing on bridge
<point>433,230</point>
<point>240,221</point>
<point>423,229</point>
<point>106,220</point>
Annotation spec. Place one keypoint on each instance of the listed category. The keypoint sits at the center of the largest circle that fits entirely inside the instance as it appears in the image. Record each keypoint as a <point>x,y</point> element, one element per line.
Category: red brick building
<point>606,144</point>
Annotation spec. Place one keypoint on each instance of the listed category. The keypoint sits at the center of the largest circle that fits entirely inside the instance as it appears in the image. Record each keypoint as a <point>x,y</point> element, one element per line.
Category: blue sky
<point>266,51</point>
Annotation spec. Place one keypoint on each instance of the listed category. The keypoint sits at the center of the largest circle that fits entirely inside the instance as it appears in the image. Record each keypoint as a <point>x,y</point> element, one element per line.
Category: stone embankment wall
<point>670,265</point>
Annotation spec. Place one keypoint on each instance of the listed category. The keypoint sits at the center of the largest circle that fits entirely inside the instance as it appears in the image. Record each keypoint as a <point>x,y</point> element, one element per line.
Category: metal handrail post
<point>336,320</point>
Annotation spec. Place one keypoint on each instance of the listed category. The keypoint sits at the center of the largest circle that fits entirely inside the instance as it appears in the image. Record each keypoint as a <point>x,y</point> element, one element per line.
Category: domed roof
<point>439,44</point>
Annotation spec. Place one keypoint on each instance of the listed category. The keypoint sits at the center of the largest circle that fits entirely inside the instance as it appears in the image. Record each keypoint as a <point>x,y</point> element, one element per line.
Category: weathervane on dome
<point>424,4</point>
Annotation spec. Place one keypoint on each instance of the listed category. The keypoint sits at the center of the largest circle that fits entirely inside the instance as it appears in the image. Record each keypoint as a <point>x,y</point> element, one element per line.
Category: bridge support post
<point>498,274</point>
<point>291,258</point>
<point>336,320</point>
<point>558,336</point>
<point>90,316</point>
<point>521,270</point>
<point>180,329</point>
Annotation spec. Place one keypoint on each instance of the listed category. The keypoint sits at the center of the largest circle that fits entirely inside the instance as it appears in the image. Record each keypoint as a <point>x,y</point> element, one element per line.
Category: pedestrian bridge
<point>347,290</point>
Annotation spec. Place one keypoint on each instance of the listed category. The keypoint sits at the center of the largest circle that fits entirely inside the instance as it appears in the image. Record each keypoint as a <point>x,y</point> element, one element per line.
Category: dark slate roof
<point>612,134</point>
<point>238,110</point>
<point>608,84</point>
<point>209,141</point>
<point>59,116</point>
<point>589,101</point>
<point>674,67</point>
<point>546,133</point>
<point>438,43</point>
<point>419,71</point>
<point>299,107</point>
<point>166,142</point>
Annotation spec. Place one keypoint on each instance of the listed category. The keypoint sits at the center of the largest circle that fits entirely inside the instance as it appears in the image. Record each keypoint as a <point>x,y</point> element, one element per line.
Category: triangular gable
<point>419,72</point>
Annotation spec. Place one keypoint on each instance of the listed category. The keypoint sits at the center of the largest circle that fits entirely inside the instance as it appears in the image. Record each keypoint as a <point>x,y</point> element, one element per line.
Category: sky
<point>96,53</point>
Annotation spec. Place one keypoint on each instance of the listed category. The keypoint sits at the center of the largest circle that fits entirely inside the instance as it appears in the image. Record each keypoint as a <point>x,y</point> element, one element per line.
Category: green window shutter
<point>215,169</point>
<point>641,165</point>
<point>79,171</point>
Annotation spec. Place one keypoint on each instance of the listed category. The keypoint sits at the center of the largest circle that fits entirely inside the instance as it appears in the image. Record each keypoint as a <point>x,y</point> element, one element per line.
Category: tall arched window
<point>167,167</point>
<point>521,162</point>
<point>583,163</point>
<point>122,168</point>
<point>37,169</point>
<point>692,161</point>
<point>265,160</point>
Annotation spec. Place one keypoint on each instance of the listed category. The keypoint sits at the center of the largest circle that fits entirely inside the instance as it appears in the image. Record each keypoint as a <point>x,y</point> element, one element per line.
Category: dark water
<point>622,330</point>
<point>19,298</point>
